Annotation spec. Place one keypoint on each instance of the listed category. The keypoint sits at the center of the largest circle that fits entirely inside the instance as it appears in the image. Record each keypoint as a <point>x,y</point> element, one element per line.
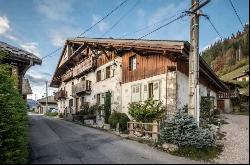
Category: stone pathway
<point>236,144</point>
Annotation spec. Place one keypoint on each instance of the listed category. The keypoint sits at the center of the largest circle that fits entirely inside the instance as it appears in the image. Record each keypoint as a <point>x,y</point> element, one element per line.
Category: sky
<point>42,26</point>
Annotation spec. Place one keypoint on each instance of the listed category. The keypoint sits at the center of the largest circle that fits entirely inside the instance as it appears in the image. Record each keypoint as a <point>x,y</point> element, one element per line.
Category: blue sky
<point>41,26</point>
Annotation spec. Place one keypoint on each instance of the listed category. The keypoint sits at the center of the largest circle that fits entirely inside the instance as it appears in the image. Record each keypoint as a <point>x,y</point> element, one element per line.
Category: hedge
<point>13,121</point>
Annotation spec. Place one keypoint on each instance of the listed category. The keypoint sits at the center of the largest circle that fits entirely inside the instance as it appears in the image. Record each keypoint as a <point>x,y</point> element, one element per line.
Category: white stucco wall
<point>127,90</point>
<point>112,84</point>
<point>182,90</point>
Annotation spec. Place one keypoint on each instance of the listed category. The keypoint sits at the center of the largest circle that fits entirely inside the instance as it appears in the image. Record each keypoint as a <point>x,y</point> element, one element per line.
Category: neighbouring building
<point>52,104</point>
<point>242,77</point>
<point>131,70</point>
<point>21,61</point>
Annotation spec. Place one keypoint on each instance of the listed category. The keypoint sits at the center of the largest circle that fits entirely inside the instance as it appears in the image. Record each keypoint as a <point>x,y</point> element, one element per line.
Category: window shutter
<point>103,74</point>
<point>102,98</point>
<point>136,93</point>
<point>145,92</point>
<point>156,90</point>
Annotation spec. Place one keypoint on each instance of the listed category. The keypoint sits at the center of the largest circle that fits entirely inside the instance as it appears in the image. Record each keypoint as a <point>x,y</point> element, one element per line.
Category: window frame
<point>98,75</point>
<point>132,60</point>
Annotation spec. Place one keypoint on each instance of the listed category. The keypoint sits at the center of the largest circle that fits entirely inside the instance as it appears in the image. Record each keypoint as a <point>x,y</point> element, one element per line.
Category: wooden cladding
<point>146,66</point>
<point>105,58</point>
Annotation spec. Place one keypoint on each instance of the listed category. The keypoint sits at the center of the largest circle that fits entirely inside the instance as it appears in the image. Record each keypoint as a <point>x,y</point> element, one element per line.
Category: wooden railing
<point>68,75</point>
<point>84,66</point>
<point>227,95</point>
<point>84,86</point>
<point>60,94</point>
<point>144,129</point>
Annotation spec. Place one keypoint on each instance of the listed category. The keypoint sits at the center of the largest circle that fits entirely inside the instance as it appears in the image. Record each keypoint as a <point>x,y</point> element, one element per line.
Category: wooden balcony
<point>60,95</point>
<point>228,95</point>
<point>82,87</point>
<point>67,76</point>
<point>84,66</point>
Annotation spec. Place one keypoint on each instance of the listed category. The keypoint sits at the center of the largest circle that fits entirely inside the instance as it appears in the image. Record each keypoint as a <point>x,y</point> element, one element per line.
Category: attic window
<point>132,63</point>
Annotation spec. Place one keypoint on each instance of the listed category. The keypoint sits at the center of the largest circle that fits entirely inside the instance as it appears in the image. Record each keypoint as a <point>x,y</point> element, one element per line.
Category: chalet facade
<point>20,61</point>
<point>131,70</point>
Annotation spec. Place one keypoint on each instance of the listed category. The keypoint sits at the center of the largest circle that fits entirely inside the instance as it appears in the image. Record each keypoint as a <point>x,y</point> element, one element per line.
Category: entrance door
<point>77,104</point>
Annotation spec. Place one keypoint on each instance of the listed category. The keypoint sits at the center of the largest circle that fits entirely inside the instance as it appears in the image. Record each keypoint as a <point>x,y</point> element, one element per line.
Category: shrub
<point>146,111</point>
<point>13,121</point>
<point>182,130</point>
<point>120,118</point>
<point>51,113</point>
<point>60,115</point>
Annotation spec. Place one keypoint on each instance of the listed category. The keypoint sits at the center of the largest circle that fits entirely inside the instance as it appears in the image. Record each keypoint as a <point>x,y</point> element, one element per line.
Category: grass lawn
<point>240,113</point>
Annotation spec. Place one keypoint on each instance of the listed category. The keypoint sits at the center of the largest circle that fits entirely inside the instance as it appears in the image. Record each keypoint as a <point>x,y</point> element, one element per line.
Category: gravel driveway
<point>236,145</point>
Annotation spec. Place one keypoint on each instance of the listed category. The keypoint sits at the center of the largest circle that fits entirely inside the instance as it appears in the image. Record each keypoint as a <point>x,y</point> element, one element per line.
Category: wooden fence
<point>144,129</point>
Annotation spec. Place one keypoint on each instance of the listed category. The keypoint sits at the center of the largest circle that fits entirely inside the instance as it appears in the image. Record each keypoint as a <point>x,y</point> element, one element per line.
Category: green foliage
<point>191,152</point>
<point>222,55</point>
<point>183,131</point>
<point>107,107</point>
<point>120,118</point>
<point>13,121</point>
<point>51,113</point>
<point>205,107</point>
<point>146,111</point>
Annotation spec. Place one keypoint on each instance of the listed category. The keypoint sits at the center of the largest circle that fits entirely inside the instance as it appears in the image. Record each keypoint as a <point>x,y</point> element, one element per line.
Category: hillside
<point>229,54</point>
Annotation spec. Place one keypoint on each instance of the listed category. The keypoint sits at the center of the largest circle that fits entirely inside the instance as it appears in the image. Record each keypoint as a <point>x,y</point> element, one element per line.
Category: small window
<point>150,90</point>
<point>98,99</point>
<point>71,103</point>
<point>98,75</point>
<point>132,63</point>
<point>108,72</point>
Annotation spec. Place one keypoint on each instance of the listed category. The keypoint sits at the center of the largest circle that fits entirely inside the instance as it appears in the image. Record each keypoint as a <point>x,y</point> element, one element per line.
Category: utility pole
<point>46,96</point>
<point>194,97</point>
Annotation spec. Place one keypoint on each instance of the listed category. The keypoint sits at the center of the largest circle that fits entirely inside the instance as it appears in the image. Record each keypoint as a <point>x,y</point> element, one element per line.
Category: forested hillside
<point>229,54</point>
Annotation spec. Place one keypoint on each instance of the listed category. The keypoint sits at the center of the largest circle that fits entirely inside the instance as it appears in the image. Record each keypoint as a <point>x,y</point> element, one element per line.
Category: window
<point>108,72</point>
<point>71,103</point>
<point>98,99</point>
<point>98,75</point>
<point>132,63</point>
<point>150,90</point>
<point>83,100</point>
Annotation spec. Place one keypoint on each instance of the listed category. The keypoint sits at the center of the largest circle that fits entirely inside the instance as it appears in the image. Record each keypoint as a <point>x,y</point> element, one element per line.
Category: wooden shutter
<point>145,92</point>
<point>136,93</point>
<point>156,90</point>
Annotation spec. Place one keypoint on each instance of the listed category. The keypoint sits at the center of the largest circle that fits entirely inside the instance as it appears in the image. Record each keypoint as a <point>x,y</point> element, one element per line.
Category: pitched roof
<point>51,99</point>
<point>17,53</point>
<point>128,44</point>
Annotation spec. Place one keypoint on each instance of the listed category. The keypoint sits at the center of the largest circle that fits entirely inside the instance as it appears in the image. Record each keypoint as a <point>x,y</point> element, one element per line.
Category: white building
<point>131,71</point>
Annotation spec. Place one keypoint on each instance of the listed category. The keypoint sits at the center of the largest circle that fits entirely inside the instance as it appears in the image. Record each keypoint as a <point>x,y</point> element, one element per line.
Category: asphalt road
<point>61,142</point>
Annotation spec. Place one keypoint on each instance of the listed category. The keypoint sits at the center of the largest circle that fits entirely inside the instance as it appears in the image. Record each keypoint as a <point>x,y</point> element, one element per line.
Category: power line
<point>160,27</point>
<point>211,23</point>
<point>151,25</point>
<point>120,19</point>
<point>91,27</point>
<point>236,13</point>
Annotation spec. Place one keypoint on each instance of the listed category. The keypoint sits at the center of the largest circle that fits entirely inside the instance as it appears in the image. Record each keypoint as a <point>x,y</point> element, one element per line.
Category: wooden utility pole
<point>46,96</point>
<point>194,97</point>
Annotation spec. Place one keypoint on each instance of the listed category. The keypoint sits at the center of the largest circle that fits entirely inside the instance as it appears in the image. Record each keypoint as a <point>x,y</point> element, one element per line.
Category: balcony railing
<point>228,95</point>
<point>82,87</point>
<point>60,94</point>
<point>84,66</point>
<point>68,75</point>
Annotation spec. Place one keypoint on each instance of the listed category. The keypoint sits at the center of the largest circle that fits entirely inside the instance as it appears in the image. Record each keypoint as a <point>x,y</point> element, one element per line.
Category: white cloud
<point>58,36</point>
<point>56,9</point>
<point>102,26</point>
<point>140,13</point>
<point>166,11</point>
<point>31,47</point>
<point>4,25</point>
<point>11,37</point>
